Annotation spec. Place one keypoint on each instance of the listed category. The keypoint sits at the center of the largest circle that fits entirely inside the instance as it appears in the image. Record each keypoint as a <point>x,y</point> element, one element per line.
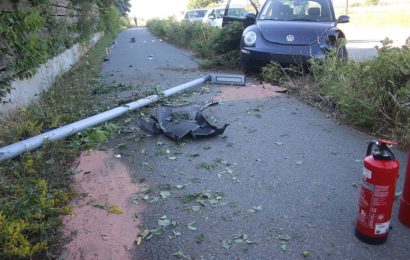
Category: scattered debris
<point>176,122</point>
<point>132,40</point>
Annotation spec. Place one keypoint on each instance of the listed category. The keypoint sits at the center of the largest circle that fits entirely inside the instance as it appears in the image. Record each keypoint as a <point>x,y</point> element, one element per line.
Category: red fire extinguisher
<point>380,174</point>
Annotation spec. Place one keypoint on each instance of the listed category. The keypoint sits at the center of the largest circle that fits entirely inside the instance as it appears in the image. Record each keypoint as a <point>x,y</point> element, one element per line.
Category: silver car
<point>195,15</point>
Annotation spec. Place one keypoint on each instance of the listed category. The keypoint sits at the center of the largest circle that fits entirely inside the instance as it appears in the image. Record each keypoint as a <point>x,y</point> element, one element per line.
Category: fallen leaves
<point>255,209</point>
<point>191,226</point>
<point>165,194</point>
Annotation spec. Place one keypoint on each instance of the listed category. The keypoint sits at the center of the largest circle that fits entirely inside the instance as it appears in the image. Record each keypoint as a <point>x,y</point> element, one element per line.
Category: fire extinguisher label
<point>382,228</point>
<point>366,196</point>
<point>367,173</point>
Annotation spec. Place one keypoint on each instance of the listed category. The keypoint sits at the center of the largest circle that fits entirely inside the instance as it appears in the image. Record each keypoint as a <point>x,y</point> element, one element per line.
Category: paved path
<point>284,175</point>
<point>361,42</point>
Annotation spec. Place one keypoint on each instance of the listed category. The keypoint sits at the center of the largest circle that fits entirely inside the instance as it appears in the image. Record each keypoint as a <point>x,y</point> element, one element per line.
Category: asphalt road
<point>361,42</point>
<point>282,180</point>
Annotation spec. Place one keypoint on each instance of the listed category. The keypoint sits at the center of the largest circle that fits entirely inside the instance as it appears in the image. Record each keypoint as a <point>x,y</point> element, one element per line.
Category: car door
<point>236,10</point>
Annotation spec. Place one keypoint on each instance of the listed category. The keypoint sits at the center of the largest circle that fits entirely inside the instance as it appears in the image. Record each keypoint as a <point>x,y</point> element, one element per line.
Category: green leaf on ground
<point>180,254</point>
<point>165,194</point>
<point>180,187</point>
<point>121,146</point>
<point>284,237</point>
<point>164,222</point>
<point>191,226</point>
<point>242,239</point>
<point>196,208</point>
<point>196,180</point>
<point>73,171</point>
<point>226,243</point>
<point>154,200</point>
<point>199,238</point>
<point>255,209</point>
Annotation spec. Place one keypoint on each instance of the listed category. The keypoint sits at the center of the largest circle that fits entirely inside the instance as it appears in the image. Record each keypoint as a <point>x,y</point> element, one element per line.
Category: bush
<point>218,47</point>
<point>374,93</point>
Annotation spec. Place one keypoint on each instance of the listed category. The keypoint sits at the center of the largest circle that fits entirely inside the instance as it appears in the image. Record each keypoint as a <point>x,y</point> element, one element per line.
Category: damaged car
<point>291,32</point>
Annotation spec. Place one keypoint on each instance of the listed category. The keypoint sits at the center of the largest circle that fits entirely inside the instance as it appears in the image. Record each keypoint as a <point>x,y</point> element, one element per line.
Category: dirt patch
<point>104,186</point>
<point>261,91</point>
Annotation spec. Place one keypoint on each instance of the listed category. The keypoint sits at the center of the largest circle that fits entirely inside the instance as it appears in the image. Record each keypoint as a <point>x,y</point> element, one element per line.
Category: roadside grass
<point>216,47</point>
<point>377,20</point>
<point>35,187</point>
<point>378,16</point>
<point>372,95</point>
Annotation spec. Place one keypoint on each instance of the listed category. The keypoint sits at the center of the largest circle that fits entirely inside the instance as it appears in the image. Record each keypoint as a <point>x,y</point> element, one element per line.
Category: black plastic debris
<point>177,122</point>
<point>132,40</point>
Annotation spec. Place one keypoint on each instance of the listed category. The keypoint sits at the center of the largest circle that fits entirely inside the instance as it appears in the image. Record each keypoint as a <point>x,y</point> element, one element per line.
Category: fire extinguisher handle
<point>370,147</point>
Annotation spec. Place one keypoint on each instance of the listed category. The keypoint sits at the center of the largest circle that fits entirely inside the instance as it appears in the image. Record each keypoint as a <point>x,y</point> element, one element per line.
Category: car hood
<point>304,33</point>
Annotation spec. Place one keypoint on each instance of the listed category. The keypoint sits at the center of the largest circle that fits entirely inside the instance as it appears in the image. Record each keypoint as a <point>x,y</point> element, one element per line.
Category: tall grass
<point>373,94</point>
<point>35,187</point>
<point>218,47</point>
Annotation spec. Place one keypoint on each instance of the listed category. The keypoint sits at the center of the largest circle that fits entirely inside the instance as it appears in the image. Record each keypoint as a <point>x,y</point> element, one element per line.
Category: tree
<point>123,6</point>
<point>193,4</point>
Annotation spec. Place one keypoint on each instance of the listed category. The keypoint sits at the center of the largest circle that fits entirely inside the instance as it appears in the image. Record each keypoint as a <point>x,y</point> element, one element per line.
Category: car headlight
<point>250,38</point>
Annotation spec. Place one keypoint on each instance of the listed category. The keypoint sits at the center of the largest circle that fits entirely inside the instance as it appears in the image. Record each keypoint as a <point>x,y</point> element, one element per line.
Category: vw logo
<point>290,38</point>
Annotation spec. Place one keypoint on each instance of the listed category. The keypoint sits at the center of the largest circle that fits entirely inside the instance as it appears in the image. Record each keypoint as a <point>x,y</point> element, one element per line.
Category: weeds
<point>35,187</point>
<point>216,47</point>
<point>374,94</point>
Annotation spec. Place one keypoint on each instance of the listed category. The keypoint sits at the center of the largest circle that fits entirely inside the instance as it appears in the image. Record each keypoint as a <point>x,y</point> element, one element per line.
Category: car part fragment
<point>177,122</point>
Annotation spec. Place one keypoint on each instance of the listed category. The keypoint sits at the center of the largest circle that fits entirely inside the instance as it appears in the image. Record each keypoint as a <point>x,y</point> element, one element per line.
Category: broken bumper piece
<point>176,122</point>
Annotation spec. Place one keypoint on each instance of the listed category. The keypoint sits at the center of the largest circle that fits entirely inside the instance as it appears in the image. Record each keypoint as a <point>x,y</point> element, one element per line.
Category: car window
<point>297,10</point>
<point>239,8</point>
<point>219,13</point>
<point>196,14</point>
<point>237,12</point>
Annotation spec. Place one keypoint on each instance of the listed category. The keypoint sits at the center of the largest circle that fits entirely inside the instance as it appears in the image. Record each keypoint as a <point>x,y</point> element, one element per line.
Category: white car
<point>195,15</point>
<point>214,15</point>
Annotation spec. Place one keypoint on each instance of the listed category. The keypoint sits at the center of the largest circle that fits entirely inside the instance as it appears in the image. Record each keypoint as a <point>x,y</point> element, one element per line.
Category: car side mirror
<point>211,16</point>
<point>250,19</point>
<point>343,19</point>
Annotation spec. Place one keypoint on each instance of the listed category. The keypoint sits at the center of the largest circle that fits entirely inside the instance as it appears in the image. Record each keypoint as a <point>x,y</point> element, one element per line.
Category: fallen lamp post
<point>33,143</point>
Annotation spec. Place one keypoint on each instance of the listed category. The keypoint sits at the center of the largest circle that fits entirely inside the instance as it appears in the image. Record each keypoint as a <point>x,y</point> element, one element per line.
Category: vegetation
<point>33,35</point>
<point>35,187</point>
<point>217,47</point>
<point>374,94</point>
<point>194,4</point>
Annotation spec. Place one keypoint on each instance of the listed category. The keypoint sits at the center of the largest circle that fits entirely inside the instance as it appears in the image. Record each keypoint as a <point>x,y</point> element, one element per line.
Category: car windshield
<point>297,10</point>
<point>233,12</point>
<point>196,14</point>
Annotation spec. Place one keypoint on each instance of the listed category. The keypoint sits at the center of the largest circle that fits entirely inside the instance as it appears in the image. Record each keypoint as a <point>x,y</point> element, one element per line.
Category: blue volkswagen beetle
<point>291,32</point>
